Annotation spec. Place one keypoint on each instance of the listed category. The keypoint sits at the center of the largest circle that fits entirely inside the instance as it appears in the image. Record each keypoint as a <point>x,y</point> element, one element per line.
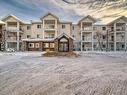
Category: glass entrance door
<point>63,47</point>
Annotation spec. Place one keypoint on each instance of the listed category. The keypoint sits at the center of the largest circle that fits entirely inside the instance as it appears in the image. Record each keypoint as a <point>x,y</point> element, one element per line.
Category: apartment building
<point>113,33</point>
<point>104,34</point>
<point>50,33</point>
<point>47,34</point>
<point>1,35</point>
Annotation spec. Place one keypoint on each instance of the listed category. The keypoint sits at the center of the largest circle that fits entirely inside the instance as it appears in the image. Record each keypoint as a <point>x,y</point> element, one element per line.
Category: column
<point>125,36</point>
<point>6,46</point>
<point>114,36</point>
<point>17,36</point>
<point>92,37</point>
<point>56,28</point>
<point>43,29</point>
<point>81,35</point>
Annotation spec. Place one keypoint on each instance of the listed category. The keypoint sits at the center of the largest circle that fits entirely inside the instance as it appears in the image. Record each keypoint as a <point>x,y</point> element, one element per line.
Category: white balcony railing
<point>49,26</point>
<point>11,28</point>
<point>87,28</point>
<point>88,39</point>
<point>48,37</point>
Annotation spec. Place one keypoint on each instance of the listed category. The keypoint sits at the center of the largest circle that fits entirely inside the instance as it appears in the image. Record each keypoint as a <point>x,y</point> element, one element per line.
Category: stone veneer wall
<point>56,45</point>
<point>70,44</point>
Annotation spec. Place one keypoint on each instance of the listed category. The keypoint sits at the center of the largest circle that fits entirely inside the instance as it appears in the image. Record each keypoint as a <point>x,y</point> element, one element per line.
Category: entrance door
<point>63,47</point>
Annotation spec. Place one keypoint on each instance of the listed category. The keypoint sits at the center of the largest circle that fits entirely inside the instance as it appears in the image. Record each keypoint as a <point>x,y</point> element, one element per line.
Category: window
<point>73,28</point>
<point>37,45</point>
<point>28,27</point>
<point>38,26</point>
<point>122,46</point>
<point>28,36</point>
<point>46,45</point>
<point>104,37</point>
<point>83,37</point>
<point>112,38</point>
<point>104,46</point>
<point>103,28</point>
<point>31,45</point>
<point>112,28</point>
<point>51,45</point>
<point>94,36</point>
<point>94,28</point>
<point>63,26</point>
<point>38,36</point>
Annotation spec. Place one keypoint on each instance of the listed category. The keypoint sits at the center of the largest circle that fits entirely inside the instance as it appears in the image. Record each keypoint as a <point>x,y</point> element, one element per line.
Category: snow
<point>93,73</point>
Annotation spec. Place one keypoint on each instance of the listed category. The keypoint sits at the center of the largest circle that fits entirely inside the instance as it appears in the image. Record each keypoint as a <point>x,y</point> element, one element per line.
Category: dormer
<point>12,23</point>
<point>86,23</point>
<point>50,21</point>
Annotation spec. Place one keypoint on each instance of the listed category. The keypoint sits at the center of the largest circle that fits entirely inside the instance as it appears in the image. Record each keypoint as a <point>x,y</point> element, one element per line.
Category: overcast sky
<point>34,9</point>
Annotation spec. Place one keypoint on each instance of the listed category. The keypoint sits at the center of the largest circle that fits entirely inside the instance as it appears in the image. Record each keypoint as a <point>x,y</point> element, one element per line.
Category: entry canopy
<point>64,34</point>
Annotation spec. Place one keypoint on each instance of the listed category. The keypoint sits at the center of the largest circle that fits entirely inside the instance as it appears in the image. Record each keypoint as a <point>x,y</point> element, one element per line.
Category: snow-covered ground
<point>93,73</point>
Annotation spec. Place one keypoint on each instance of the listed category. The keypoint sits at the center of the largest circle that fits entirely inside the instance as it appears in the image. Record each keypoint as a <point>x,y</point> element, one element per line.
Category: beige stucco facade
<point>89,34</point>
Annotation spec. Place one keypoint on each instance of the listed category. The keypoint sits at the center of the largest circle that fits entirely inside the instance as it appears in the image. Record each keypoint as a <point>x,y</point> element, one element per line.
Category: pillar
<point>18,36</point>
<point>114,36</point>
<point>92,37</point>
<point>125,36</point>
<point>81,35</point>
<point>43,29</point>
<point>56,28</point>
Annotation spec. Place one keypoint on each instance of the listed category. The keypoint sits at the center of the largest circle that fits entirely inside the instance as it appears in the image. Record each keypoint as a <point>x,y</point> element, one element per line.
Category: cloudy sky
<point>33,9</point>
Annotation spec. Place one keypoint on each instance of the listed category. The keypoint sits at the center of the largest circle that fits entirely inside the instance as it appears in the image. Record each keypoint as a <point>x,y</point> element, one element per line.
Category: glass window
<point>104,37</point>
<point>94,28</point>
<point>103,28</point>
<point>37,45</point>
<point>31,45</point>
<point>73,28</point>
<point>28,27</point>
<point>51,45</point>
<point>63,26</point>
<point>38,26</point>
<point>38,36</point>
<point>28,36</point>
<point>122,46</point>
<point>46,45</point>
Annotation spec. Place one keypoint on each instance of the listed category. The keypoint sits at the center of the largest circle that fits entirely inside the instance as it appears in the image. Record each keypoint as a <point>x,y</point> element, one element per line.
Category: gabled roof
<point>109,20</point>
<point>49,14</point>
<point>63,34</point>
<point>11,15</point>
<point>1,22</point>
<point>88,16</point>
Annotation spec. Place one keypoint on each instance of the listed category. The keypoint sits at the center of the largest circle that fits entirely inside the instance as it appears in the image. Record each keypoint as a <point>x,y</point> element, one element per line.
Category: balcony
<point>120,29</point>
<point>87,29</point>
<point>120,39</point>
<point>11,39</point>
<point>49,27</point>
<point>48,37</point>
<point>88,39</point>
<point>13,29</point>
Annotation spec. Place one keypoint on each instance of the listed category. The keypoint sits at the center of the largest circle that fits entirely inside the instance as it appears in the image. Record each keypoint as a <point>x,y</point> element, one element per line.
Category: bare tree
<point>99,35</point>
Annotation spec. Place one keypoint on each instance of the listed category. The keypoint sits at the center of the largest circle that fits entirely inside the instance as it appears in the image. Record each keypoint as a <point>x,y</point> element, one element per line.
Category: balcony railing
<point>49,37</point>
<point>87,28</point>
<point>49,26</point>
<point>12,29</point>
<point>88,39</point>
